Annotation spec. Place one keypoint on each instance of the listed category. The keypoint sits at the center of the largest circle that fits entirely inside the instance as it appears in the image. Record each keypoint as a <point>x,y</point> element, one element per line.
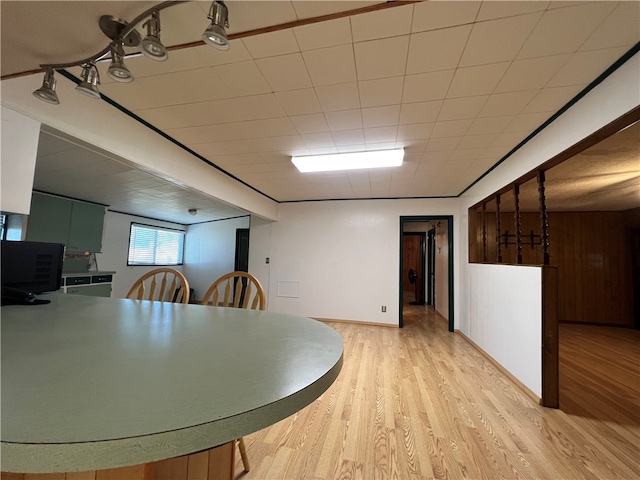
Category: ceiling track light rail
<point>124,34</point>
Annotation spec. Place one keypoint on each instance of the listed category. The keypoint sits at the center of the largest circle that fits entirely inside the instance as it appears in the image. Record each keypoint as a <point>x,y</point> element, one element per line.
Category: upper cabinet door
<point>85,231</point>
<point>49,219</point>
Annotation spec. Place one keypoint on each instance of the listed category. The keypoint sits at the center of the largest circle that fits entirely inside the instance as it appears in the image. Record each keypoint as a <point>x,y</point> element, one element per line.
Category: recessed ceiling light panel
<point>349,161</point>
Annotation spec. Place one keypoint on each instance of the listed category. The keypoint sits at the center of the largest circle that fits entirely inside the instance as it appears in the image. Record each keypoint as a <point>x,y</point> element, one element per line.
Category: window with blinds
<point>150,245</point>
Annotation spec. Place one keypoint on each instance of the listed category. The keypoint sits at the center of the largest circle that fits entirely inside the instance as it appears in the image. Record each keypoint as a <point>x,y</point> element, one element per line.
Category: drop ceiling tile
<point>318,140</point>
<point>583,67</point>
<point>243,78</point>
<point>461,108</point>
<point>274,127</point>
<point>312,123</point>
<point>416,131</point>
<point>621,28</point>
<point>498,40</point>
<point>427,86</point>
<point>390,22</point>
<point>380,116</point>
<point>466,156</point>
<point>359,147</point>
<point>477,141</point>
<point>435,15</point>
<point>314,36</point>
<point>421,112</point>
<point>506,103</point>
<point>285,72</point>
<point>380,134</point>
<point>343,96</point>
<point>437,50</point>
<point>253,15</point>
<point>299,102</point>
<point>528,122</point>
<point>197,114</point>
<point>344,120</point>
<point>552,99</point>
<point>241,146</point>
<point>177,88</point>
<point>486,125</point>
<point>564,30</point>
<point>436,157</point>
<point>447,144</point>
<point>349,137</point>
<point>332,65</point>
<point>480,80</point>
<point>381,58</point>
<point>280,42</point>
<point>178,61</point>
<point>454,128</point>
<point>288,143</point>
<point>493,10</point>
<point>531,73</point>
<point>385,91</point>
<point>212,56</point>
<point>508,139</point>
<point>262,106</point>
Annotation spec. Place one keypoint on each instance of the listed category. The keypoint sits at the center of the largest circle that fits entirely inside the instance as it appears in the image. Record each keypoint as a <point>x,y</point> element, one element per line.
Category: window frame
<point>157,229</point>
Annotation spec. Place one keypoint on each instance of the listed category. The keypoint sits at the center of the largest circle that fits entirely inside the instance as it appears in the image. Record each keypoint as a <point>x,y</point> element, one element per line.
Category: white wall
<point>210,250</point>
<point>342,256</point>
<point>442,269</point>
<point>506,318</point>
<point>115,247</point>
<point>19,147</point>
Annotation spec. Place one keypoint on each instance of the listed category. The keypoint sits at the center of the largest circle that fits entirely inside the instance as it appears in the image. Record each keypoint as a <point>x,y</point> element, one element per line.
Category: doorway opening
<point>426,264</point>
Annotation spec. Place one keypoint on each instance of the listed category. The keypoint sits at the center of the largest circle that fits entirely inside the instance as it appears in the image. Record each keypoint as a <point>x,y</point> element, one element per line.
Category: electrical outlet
<point>384,309</point>
<point>267,260</point>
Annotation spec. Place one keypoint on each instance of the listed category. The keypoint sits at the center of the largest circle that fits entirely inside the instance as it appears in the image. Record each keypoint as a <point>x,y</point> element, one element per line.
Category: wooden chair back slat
<point>174,286</point>
<point>238,290</point>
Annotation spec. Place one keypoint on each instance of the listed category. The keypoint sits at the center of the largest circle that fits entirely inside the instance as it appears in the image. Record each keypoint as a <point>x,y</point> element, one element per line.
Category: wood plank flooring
<point>419,403</point>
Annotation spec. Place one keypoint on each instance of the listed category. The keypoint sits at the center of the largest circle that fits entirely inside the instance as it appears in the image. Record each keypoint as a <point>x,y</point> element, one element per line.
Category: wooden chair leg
<point>243,454</point>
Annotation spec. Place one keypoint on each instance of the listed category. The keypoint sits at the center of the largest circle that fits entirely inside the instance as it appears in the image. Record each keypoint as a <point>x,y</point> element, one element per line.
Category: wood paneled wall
<point>592,252</point>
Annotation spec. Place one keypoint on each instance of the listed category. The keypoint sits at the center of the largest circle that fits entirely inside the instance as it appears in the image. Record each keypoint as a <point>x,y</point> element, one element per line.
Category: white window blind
<point>155,246</point>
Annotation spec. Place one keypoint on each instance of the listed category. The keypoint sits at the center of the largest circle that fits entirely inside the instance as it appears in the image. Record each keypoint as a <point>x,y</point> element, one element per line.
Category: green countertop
<point>93,383</point>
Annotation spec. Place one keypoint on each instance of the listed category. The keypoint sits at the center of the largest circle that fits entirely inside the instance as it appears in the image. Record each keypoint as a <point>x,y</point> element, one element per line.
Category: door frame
<point>431,270</point>
<point>427,218</point>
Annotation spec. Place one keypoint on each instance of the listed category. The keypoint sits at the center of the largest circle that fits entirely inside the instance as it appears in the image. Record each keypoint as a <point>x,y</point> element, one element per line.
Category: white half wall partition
<point>505,310</point>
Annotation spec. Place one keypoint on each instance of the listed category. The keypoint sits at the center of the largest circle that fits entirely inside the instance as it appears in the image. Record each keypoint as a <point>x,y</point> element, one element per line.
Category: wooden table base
<point>214,464</point>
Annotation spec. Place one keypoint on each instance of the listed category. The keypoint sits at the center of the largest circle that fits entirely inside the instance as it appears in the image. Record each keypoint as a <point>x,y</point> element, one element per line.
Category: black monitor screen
<point>33,267</point>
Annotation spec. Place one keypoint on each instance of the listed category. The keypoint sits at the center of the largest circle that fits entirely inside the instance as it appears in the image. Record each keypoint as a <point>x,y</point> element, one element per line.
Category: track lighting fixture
<point>90,80</point>
<point>215,34</point>
<point>118,70</point>
<point>151,45</point>
<point>124,34</point>
<point>47,92</point>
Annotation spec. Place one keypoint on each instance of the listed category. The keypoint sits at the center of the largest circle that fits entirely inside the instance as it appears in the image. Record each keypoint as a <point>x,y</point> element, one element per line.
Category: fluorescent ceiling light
<point>349,161</point>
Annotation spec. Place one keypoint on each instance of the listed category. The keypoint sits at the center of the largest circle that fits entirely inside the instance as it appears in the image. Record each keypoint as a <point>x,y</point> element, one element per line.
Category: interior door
<point>413,259</point>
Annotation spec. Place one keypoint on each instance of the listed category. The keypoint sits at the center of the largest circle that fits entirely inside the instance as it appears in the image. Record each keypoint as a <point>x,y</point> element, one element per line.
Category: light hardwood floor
<point>418,403</point>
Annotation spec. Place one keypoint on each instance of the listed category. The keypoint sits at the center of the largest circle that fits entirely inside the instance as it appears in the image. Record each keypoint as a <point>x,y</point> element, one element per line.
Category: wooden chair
<point>174,286</point>
<point>237,290</point>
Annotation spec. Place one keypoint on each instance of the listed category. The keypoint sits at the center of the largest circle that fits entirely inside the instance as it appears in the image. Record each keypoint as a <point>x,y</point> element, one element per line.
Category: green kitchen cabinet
<point>49,219</point>
<point>76,224</point>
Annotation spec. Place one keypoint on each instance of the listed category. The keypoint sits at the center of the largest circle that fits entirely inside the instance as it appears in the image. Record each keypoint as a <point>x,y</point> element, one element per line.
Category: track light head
<point>118,70</point>
<point>47,92</point>
<point>90,80</point>
<point>215,34</point>
<point>151,45</point>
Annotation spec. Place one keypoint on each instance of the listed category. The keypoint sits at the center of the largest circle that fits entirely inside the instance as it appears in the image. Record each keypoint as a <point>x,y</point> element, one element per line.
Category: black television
<point>29,269</point>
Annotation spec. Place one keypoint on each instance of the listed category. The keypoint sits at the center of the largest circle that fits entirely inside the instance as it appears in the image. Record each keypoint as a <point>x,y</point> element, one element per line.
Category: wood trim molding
<point>504,371</point>
<point>354,322</point>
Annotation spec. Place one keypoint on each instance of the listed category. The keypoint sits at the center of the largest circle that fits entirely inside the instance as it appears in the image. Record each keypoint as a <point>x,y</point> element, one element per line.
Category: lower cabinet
<point>95,284</point>
<point>102,290</point>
